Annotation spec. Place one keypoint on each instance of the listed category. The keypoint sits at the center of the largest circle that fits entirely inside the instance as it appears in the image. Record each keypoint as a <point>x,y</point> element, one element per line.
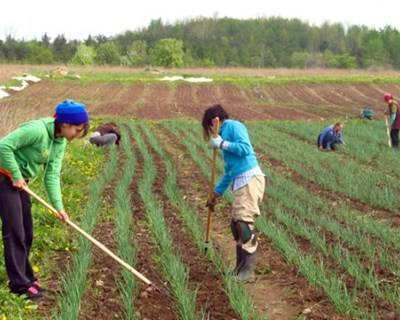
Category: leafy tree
<point>137,53</point>
<point>269,58</point>
<point>45,40</point>
<point>124,41</point>
<point>299,59</point>
<point>262,42</point>
<point>85,55</point>
<point>168,53</point>
<point>15,50</point>
<point>373,49</point>
<point>90,42</point>
<point>63,50</point>
<point>2,56</point>
<point>391,40</point>
<point>100,39</point>
<point>342,61</point>
<point>39,54</point>
<point>107,53</point>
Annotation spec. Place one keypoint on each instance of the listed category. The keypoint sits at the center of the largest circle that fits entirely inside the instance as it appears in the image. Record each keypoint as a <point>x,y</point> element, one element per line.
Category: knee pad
<point>241,231</point>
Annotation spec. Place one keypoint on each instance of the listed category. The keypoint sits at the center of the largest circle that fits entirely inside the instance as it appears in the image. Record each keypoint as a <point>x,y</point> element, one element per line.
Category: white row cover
<point>25,79</point>
<point>28,77</point>
<point>3,93</point>
<point>191,79</point>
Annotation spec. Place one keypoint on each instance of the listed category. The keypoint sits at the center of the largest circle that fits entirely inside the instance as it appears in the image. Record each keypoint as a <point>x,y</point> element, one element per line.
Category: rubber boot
<point>246,271</point>
<point>239,260</point>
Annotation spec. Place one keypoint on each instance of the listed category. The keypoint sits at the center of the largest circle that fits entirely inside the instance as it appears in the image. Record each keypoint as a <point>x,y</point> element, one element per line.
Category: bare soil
<point>160,101</point>
<point>279,290</point>
<point>202,274</point>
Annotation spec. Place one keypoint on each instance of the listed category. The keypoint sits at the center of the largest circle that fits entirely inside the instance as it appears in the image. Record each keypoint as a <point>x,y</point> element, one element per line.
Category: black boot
<point>239,260</point>
<point>246,271</point>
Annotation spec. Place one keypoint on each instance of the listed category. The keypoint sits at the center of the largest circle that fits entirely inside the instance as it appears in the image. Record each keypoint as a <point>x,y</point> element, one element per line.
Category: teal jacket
<point>32,146</point>
<point>238,156</point>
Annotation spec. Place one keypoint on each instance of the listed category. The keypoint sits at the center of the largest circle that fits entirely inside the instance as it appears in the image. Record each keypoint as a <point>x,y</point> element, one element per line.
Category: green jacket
<point>32,145</point>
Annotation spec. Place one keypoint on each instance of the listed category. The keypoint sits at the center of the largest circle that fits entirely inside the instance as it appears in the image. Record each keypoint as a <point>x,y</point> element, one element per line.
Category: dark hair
<point>210,114</point>
<point>111,123</point>
<point>58,125</point>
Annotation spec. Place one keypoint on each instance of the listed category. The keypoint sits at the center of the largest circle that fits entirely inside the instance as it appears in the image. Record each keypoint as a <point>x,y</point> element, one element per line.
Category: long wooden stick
<point>388,133</point>
<point>90,238</point>
<point>212,181</point>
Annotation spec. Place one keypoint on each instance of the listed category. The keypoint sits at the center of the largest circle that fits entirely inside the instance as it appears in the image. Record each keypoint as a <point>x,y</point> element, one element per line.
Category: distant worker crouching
<point>330,137</point>
<point>106,135</point>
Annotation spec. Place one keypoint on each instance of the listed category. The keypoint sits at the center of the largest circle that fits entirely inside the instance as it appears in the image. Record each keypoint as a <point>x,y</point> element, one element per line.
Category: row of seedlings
<point>239,298</point>
<point>348,260</point>
<point>332,173</point>
<point>74,280</point>
<point>366,142</point>
<point>175,272</point>
<point>124,222</point>
<point>313,271</point>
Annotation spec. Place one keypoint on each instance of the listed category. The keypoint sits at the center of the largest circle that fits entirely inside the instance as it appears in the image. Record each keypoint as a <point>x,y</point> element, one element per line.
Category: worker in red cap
<point>23,152</point>
<point>393,119</point>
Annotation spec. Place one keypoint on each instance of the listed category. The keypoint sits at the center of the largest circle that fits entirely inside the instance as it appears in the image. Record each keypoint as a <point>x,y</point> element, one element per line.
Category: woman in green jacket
<point>35,144</point>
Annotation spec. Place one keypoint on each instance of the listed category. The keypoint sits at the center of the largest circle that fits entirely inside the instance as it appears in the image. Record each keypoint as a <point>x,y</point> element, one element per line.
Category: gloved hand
<point>211,201</point>
<point>216,142</point>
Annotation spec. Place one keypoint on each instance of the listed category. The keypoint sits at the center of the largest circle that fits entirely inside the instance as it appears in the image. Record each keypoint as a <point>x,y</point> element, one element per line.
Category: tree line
<point>223,42</point>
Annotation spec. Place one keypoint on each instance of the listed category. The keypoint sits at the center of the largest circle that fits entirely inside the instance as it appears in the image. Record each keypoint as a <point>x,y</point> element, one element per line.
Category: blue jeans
<point>325,145</point>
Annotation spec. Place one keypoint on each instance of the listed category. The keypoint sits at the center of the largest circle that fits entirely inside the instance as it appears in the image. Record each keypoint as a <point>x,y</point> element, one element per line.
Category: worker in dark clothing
<point>106,135</point>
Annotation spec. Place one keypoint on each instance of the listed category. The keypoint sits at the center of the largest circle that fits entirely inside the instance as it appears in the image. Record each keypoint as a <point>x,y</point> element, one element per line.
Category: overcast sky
<point>76,19</point>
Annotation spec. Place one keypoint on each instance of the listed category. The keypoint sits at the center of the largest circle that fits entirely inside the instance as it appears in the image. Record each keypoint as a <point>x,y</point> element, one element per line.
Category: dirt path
<point>153,305</point>
<point>202,274</point>
<point>102,298</point>
<point>60,261</point>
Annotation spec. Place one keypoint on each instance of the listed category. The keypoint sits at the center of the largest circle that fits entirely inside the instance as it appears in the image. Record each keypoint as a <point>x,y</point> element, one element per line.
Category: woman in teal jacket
<point>247,181</point>
<point>23,152</point>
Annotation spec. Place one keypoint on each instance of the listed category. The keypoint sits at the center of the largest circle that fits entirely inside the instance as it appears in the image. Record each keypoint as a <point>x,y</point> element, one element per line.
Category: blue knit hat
<point>72,112</point>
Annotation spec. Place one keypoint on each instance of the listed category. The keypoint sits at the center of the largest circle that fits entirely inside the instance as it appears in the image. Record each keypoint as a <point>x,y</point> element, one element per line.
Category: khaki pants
<point>246,207</point>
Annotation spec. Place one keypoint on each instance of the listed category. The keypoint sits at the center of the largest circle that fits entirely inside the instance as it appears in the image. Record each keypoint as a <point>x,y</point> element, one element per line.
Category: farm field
<point>329,241</point>
<point>140,96</point>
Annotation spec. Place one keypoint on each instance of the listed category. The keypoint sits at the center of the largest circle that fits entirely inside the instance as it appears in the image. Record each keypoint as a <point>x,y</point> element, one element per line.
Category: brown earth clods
<point>160,101</point>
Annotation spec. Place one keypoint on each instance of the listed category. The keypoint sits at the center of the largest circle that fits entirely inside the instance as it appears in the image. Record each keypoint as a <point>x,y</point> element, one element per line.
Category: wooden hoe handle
<point>91,239</point>
<point>212,181</point>
<point>388,132</point>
